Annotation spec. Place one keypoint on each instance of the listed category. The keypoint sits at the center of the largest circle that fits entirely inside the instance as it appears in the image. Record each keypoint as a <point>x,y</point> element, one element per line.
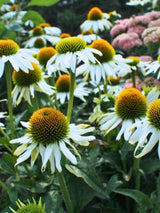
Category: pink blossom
<point>134,20</point>
<point>119,27</point>
<point>151,35</point>
<point>136,29</point>
<point>153,15</point>
<point>154,23</point>
<point>127,41</point>
<point>145,58</point>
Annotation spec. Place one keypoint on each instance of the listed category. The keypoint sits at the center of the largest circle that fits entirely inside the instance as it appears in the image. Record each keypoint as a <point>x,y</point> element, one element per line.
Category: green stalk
<point>9,94</point>
<point>134,78</point>
<point>5,135</point>
<point>71,95</point>
<point>55,94</point>
<point>35,104</point>
<point>65,192</point>
<point>137,178</point>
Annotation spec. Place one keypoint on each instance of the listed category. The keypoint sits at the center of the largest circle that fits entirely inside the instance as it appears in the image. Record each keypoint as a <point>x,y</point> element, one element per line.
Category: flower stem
<point>65,192</point>
<point>35,104</point>
<point>71,95</point>
<point>9,94</point>
<point>137,178</point>
<point>134,78</point>
<point>5,135</point>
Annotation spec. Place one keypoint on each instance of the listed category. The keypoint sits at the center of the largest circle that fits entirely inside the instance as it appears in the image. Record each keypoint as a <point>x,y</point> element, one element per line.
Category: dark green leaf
<point>141,198</point>
<point>46,3</point>
<point>113,183</point>
<point>79,173</point>
<point>33,16</point>
<point>7,163</point>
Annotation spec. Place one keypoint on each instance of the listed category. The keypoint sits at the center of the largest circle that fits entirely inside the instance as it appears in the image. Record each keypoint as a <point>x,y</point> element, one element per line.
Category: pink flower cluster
<point>126,41</point>
<point>136,31</point>
<point>151,36</point>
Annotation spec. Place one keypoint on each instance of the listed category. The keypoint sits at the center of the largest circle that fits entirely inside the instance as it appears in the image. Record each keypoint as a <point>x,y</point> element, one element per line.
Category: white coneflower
<point>110,63</point>
<point>62,89</point>
<point>153,67</point>
<point>96,21</point>
<point>38,32</point>
<point>147,132</point>
<point>72,52</point>
<point>18,58</point>
<point>48,134</point>
<point>130,107</point>
<point>27,83</point>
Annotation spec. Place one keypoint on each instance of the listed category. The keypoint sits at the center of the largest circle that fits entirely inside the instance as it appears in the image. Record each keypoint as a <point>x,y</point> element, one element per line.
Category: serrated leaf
<point>46,3</point>
<point>33,16</point>
<point>79,173</point>
<point>142,199</point>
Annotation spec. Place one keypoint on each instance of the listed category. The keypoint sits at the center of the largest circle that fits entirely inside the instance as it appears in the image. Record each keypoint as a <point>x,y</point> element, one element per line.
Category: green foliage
<point>33,16</point>
<point>46,3</point>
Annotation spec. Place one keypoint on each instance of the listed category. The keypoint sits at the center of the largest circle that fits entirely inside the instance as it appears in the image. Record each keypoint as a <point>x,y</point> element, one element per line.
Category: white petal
<point>57,156</point>
<point>67,153</point>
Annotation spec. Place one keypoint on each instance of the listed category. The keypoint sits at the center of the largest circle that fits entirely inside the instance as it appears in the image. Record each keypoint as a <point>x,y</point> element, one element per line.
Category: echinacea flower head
<point>110,63</point>
<point>49,30</point>
<point>39,43</point>
<point>65,35</point>
<point>62,86</point>
<point>150,126</point>
<point>88,36</point>
<point>10,51</point>
<point>39,32</point>
<point>48,134</point>
<point>130,106</point>
<point>31,207</point>
<point>45,54</point>
<point>96,21</point>
<point>27,83</point>
<point>134,60</point>
<point>70,52</point>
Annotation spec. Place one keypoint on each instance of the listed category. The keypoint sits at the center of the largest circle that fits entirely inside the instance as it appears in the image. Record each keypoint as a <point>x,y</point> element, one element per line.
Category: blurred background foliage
<point>70,14</point>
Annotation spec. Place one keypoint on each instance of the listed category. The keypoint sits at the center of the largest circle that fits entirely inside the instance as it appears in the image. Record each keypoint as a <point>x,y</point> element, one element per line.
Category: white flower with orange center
<point>48,134</point>
<point>88,36</point>
<point>45,54</point>
<point>27,83</point>
<point>62,89</point>
<point>96,21</point>
<point>110,63</point>
<point>38,32</point>
<point>130,107</point>
<point>18,58</point>
<point>147,132</point>
<point>72,54</point>
<point>50,30</point>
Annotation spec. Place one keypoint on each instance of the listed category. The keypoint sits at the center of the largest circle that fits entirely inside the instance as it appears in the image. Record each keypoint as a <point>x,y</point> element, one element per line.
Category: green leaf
<point>4,140</point>
<point>7,163</point>
<point>3,1</point>
<point>46,3</point>
<point>33,16</point>
<point>113,183</point>
<point>79,173</point>
<point>141,198</point>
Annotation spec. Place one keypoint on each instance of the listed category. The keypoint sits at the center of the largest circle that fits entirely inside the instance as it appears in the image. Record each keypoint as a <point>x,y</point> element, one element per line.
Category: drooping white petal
<point>57,156</point>
<point>67,153</point>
